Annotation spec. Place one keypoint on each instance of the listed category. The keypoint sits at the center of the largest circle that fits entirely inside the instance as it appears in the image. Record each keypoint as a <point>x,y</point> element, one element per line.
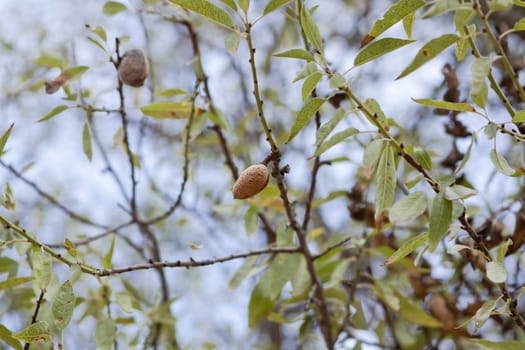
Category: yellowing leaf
<point>4,137</point>
<point>274,203</point>
<point>170,110</point>
<point>111,8</point>
<point>38,331</point>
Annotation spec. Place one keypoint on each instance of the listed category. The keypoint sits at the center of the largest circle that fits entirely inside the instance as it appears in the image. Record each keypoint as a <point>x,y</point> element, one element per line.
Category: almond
<point>251,181</point>
<point>133,68</point>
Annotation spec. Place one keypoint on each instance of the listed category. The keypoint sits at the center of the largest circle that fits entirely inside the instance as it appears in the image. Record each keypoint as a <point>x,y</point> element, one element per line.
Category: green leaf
<point>440,220</point>
<point>38,331</point>
<point>483,313</point>
<point>310,83</point>
<point>451,106</point>
<point>296,53</point>
<point>231,41</point>
<point>371,157</point>
<point>15,281</point>
<point>408,208</point>
<point>430,50</point>
<point>479,71</point>
<point>171,93</point>
<point>50,61</point>
<point>336,81</point>
<point>520,25</point>
<point>217,117</point>
<point>501,163</point>
<point>63,305</point>
<point>423,157</point>
<point>7,336</point>
<point>329,126</point>
<point>393,15</point>
<point>305,115</point>
<point>53,112</point>
<point>519,3</point>
<point>406,248</point>
<point>101,33</point>
<point>42,268</point>
<point>311,30</point>
<point>230,3</point>
<point>105,334</point>
<point>412,312</point>
<point>408,23</point>
<point>455,192</point>
<point>4,137</point>
<point>496,272</point>
<point>385,181</point>
<point>519,117</point>
<point>499,345</point>
<point>441,6</point>
<point>244,271</point>
<point>274,5</point>
<point>244,4</point>
<point>111,8</point>
<point>334,140</point>
<point>499,5</point>
<point>8,266</point>
<point>106,261</point>
<point>378,49</point>
<point>266,292</point>
<point>250,220</point>
<point>86,142</point>
<point>170,110</point>
<point>125,301</point>
<point>70,247</point>
<point>375,108</point>
<point>208,10</point>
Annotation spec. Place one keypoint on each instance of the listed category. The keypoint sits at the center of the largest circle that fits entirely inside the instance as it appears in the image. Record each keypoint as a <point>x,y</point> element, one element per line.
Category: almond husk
<point>251,181</point>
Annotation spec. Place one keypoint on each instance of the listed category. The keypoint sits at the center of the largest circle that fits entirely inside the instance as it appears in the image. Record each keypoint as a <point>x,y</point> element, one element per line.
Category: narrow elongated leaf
<point>296,53</point>
<point>305,115</point>
<point>499,345</point>
<point>106,261</point>
<point>441,6</point>
<point>244,271</point>
<point>501,163</point>
<point>310,83</point>
<point>451,106</point>
<point>230,3</point>
<point>15,281</point>
<point>483,313</point>
<point>371,157</point>
<point>407,247</point>
<point>408,23</point>
<point>208,10</point>
<point>385,181</point>
<point>7,336</point>
<point>496,272</point>
<point>393,15</point>
<point>430,50</point>
<point>63,305</point>
<point>274,5</point>
<point>440,220</point>
<point>408,208</point>
<point>4,137</point>
<point>86,142</point>
<point>42,268</point>
<point>170,110</point>
<point>311,30</point>
<point>244,4</point>
<point>334,140</point>
<point>111,8</point>
<point>378,49</point>
<point>53,112</point>
<point>329,126</point>
<point>38,331</point>
<point>250,220</point>
<point>479,71</point>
